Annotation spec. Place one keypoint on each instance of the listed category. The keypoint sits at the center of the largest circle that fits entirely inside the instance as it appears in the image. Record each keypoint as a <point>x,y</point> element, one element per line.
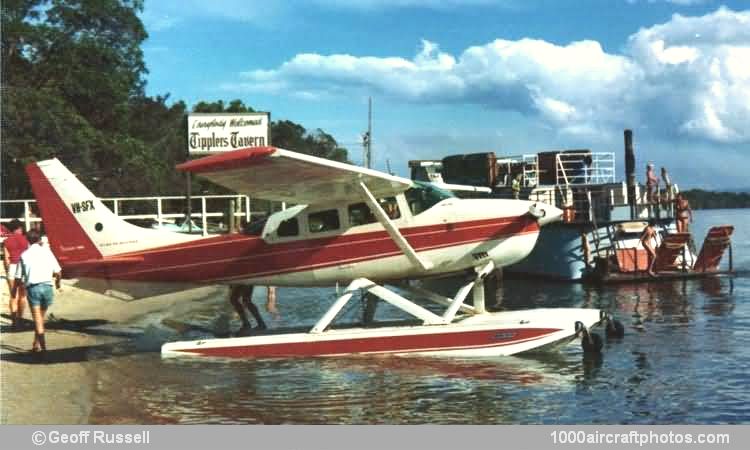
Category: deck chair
<point>670,248</point>
<point>716,242</point>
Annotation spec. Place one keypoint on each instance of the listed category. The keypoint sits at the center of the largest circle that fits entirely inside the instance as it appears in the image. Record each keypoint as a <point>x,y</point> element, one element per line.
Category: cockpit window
<point>423,196</point>
<point>254,228</point>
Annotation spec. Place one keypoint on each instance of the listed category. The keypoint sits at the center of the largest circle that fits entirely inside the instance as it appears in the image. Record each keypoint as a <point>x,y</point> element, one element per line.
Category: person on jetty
<point>241,297</point>
<point>36,269</point>
<point>683,213</point>
<point>647,240</point>
<point>652,184</point>
<point>667,198</point>
<point>15,245</point>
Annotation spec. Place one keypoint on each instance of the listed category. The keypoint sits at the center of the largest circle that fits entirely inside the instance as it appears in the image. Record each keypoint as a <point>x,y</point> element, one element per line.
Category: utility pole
<point>367,137</point>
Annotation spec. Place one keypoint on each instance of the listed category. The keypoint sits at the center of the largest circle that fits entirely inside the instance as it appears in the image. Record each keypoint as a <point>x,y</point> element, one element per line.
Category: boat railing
<point>212,211</point>
<point>602,203</point>
<point>585,167</point>
<point>530,170</point>
<point>567,168</point>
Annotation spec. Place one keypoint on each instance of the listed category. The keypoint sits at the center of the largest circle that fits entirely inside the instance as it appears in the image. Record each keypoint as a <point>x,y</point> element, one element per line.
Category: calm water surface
<point>684,359</point>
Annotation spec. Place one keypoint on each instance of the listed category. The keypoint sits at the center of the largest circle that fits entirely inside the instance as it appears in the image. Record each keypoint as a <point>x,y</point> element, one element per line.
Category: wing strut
<point>393,232</point>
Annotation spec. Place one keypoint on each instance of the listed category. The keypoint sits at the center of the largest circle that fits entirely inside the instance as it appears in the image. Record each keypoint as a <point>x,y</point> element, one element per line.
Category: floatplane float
<point>354,226</point>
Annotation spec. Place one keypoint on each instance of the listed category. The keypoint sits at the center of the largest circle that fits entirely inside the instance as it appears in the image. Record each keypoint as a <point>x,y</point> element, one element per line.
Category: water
<point>684,359</point>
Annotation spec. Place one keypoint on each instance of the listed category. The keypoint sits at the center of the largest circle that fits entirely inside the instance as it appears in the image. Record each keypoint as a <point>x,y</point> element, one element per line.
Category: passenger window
<point>289,227</point>
<point>322,221</point>
<point>390,206</point>
<point>360,214</point>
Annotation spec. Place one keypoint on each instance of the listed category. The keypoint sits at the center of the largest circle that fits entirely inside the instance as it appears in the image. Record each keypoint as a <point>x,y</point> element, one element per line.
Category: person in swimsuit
<point>652,183</point>
<point>683,213</point>
<point>667,197</point>
<point>647,240</point>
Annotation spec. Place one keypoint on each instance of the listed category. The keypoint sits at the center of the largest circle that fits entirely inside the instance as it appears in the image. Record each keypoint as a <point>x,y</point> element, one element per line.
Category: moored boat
<point>596,206</point>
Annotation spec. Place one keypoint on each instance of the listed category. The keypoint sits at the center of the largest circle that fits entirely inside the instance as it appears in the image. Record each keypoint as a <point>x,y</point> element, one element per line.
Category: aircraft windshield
<point>254,228</point>
<point>423,196</point>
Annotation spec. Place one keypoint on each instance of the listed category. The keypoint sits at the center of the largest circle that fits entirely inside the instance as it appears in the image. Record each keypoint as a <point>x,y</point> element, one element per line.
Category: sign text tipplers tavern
<point>209,133</point>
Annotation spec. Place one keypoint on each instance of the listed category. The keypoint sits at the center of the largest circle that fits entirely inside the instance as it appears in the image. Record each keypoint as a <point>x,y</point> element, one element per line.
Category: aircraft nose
<point>545,213</point>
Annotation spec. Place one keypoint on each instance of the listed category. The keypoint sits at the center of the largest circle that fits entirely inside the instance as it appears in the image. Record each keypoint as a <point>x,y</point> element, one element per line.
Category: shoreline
<point>59,387</point>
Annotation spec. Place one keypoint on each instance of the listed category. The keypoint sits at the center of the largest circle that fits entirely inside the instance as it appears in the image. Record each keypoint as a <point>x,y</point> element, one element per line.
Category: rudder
<point>79,226</point>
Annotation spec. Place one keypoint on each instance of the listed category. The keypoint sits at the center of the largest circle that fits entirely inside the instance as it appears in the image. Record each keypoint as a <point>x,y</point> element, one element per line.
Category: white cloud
<point>697,69</point>
<point>687,77</point>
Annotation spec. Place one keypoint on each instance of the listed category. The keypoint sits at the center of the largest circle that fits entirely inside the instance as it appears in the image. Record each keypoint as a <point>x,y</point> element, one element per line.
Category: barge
<point>601,215</point>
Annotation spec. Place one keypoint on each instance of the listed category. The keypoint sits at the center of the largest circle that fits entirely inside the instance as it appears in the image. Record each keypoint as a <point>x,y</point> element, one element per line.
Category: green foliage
<point>292,136</point>
<point>73,80</point>
<point>700,199</point>
<point>71,70</point>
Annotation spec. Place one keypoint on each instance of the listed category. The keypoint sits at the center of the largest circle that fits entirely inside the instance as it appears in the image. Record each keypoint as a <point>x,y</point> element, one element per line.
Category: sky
<point>463,76</point>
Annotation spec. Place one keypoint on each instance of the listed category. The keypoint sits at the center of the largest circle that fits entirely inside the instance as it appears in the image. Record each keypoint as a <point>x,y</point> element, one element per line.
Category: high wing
<point>275,174</point>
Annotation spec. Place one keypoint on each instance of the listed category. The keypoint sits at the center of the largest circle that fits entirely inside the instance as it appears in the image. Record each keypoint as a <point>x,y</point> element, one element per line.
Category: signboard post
<point>210,133</point>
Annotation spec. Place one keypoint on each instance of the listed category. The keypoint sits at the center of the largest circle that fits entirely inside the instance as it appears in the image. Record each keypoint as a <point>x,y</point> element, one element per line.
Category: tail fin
<point>79,226</point>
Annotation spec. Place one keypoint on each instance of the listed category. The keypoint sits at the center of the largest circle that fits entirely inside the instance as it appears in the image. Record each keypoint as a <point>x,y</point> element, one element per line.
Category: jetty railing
<point>219,213</point>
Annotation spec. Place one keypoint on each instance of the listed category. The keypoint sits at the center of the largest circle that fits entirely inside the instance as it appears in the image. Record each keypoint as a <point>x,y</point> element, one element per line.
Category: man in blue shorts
<point>36,270</point>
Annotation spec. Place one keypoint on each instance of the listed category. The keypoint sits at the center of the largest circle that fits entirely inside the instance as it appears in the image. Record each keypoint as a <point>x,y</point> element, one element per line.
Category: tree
<point>700,199</point>
<point>73,80</point>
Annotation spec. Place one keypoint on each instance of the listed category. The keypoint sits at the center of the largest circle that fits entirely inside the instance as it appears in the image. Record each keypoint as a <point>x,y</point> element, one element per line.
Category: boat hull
<point>490,334</point>
<point>558,254</point>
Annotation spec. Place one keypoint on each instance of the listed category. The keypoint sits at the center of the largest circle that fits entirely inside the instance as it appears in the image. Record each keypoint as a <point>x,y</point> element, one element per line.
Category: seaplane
<point>349,225</point>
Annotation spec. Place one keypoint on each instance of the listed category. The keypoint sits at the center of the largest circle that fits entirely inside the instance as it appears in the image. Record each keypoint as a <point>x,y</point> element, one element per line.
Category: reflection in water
<point>683,360</point>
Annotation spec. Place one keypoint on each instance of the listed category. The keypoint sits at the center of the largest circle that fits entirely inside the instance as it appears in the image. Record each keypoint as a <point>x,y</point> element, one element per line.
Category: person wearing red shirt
<point>15,244</point>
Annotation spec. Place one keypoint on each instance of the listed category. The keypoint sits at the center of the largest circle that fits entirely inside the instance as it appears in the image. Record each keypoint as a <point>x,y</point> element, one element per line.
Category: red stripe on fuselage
<point>239,257</point>
<point>382,344</point>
